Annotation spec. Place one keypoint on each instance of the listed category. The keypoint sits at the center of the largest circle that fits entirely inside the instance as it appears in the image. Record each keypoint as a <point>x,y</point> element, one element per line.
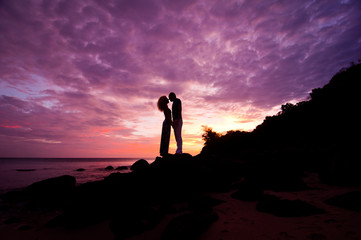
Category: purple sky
<point>81,78</point>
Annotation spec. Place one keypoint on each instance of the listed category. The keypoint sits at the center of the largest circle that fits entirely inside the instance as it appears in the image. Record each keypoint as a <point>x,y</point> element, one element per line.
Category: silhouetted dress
<point>164,141</point>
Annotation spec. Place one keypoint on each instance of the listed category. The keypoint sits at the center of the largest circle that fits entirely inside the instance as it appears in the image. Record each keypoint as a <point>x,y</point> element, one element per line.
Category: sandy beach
<point>241,220</point>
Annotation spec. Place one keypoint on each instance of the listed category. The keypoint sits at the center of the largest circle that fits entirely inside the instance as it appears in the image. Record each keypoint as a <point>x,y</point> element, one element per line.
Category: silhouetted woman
<point>164,141</point>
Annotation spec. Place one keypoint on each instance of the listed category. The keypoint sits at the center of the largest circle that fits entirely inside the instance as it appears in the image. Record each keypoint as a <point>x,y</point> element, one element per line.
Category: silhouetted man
<point>177,120</point>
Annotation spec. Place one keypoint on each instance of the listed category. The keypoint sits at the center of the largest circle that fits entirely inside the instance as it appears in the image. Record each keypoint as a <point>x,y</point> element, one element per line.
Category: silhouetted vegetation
<point>318,134</point>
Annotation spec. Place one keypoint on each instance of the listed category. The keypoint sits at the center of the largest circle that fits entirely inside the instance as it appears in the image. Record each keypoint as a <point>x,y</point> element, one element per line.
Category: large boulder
<point>175,163</point>
<point>91,203</point>
<point>109,168</point>
<point>140,165</point>
<point>53,186</point>
<point>176,176</point>
<point>52,191</point>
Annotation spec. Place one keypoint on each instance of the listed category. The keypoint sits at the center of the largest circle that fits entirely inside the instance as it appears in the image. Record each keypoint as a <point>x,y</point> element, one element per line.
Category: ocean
<point>18,173</point>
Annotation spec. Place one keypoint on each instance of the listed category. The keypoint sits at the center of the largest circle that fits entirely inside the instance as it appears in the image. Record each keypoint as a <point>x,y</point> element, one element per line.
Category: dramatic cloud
<point>81,78</point>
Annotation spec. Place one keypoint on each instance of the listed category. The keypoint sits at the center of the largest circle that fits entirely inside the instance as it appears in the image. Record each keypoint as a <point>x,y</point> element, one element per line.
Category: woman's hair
<point>162,103</point>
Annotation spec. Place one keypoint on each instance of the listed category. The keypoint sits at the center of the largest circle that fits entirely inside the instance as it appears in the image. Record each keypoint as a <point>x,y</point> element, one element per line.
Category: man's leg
<point>178,135</point>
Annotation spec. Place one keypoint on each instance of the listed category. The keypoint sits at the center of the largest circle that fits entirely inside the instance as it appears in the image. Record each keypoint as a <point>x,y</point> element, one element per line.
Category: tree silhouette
<point>318,130</point>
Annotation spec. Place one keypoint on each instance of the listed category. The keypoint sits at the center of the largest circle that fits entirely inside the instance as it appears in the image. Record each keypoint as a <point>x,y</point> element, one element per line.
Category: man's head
<point>172,96</point>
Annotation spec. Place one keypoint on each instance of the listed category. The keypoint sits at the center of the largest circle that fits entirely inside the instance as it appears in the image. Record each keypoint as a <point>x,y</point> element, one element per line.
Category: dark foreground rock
<point>188,226</point>
<point>286,208</point>
<point>131,221</point>
<point>136,201</point>
<point>132,197</point>
<point>52,191</point>
<point>121,168</point>
<point>248,192</point>
<point>139,165</point>
<point>58,186</point>
<point>15,196</point>
<point>26,170</point>
<point>12,220</point>
<point>109,168</point>
<point>350,201</point>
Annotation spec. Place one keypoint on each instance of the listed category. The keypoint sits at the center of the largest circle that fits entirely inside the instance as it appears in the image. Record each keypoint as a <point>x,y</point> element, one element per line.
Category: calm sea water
<point>20,172</point>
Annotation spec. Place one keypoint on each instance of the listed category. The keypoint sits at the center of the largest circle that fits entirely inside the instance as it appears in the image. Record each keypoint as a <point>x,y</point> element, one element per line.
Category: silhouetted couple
<point>176,122</point>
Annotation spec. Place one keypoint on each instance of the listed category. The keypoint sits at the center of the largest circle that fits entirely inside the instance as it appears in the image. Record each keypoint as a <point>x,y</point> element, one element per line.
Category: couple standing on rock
<point>177,122</point>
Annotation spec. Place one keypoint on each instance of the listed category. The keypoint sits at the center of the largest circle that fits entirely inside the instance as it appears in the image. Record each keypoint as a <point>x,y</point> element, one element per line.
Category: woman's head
<point>162,103</point>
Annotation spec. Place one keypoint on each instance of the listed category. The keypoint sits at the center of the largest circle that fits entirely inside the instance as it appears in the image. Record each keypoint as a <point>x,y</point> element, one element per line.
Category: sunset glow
<point>82,78</point>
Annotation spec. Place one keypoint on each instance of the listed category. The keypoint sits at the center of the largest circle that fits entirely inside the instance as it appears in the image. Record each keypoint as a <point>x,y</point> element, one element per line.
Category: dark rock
<point>51,192</point>
<point>109,168</point>
<point>286,208</point>
<point>13,196</point>
<point>58,185</point>
<point>178,161</point>
<point>12,220</point>
<point>140,165</point>
<point>134,221</point>
<point>122,168</point>
<point>188,226</point>
<point>6,207</point>
<point>62,184</point>
<point>183,156</point>
<point>115,176</point>
<point>95,201</point>
<point>248,192</point>
<point>157,162</point>
<point>177,177</point>
<point>80,170</point>
<point>91,200</point>
<point>25,170</point>
<point>123,228</point>
<point>57,221</point>
<point>350,201</point>
<point>25,227</point>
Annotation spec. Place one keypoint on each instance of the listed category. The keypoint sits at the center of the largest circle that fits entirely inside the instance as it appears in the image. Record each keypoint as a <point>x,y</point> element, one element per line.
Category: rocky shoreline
<point>181,186</point>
